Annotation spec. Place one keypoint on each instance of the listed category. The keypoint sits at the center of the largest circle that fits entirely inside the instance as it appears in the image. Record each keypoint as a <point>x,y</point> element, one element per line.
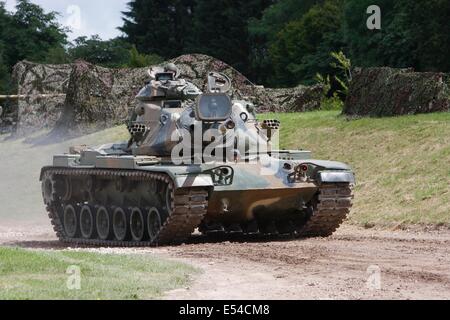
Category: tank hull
<point>246,198</point>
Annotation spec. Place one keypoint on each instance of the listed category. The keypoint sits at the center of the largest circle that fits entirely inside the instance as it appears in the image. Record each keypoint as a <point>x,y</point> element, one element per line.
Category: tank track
<point>330,211</point>
<point>189,206</point>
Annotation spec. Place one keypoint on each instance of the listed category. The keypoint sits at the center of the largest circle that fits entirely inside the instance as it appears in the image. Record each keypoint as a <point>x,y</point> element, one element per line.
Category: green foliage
<point>336,88</point>
<point>333,103</point>
<point>277,15</point>
<point>57,55</point>
<point>221,30</point>
<point>29,33</point>
<point>292,39</point>
<point>343,65</point>
<point>160,27</point>
<point>276,43</point>
<point>414,34</point>
<point>299,53</point>
<point>171,28</point>
<point>263,33</point>
<point>111,53</point>
<point>364,44</point>
<point>5,81</point>
<point>330,99</point>
<point>139,60</point>
<point>324,81</point>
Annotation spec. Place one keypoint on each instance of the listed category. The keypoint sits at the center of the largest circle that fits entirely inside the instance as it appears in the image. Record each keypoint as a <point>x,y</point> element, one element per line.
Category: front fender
<point>324,177</point>
<point>189,181</point>
<point>332,172</point>
<point>328,165</point>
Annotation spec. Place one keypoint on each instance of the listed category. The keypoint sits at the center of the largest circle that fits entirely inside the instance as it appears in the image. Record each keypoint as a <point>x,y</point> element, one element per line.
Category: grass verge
<point>40,275</point>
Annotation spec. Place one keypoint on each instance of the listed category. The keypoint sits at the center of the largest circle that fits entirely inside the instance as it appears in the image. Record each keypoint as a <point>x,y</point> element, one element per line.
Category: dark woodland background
<point>275,43</point>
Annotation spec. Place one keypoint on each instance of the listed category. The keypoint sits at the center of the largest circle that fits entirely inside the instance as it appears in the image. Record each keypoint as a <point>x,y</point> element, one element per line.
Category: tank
<point>196,161</point>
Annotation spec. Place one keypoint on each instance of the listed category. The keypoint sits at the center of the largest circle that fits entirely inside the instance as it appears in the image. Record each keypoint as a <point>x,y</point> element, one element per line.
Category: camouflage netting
<point>298,99</point>
<point>195,67</point>
<point>389,92</point>
<point>97,96</point>
<point>36,79</point>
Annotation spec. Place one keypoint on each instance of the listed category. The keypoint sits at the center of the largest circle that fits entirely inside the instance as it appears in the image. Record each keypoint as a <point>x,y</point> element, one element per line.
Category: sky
<point>85,17</point>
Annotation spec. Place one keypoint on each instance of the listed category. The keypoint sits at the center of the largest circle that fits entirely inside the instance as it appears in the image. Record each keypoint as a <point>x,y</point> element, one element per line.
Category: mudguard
<point>328,165</point>
<point>336,177</point>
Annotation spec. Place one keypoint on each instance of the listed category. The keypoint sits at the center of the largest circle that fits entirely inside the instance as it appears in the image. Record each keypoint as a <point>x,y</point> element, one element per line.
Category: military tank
<point>195,161</point>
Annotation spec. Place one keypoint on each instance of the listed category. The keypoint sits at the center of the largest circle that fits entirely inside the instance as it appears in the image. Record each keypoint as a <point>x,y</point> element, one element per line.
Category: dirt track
<point>412,265</point>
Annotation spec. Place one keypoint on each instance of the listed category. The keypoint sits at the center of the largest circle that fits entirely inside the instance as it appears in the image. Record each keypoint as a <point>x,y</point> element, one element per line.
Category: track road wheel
<point>120,224</point>
<point>103,223</point>
<point>153,223</point>
<point>137,225</point>
<point>70,220</point>
<point>49,188</point>
<point>87,222</point>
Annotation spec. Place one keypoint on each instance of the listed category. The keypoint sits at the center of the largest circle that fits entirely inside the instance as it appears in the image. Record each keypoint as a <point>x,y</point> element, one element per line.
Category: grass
<point>402,164</point>
<point>43,275</point>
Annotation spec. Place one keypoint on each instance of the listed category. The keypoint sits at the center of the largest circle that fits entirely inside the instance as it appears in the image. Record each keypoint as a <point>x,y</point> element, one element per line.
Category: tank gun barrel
<point>24,96</point>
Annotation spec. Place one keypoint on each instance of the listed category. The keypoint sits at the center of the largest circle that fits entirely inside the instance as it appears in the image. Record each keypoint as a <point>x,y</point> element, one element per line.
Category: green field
<point>43,275</point>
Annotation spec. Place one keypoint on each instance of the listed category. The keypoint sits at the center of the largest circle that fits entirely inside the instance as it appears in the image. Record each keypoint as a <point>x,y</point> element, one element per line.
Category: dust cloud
<point>21,160</point>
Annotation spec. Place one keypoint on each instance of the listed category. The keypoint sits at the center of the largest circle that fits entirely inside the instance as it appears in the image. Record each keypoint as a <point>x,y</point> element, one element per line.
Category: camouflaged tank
<point>194,161</point>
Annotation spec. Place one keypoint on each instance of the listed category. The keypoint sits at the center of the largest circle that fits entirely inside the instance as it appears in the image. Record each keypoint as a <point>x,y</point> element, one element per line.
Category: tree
<point>174,27</point>
<point>57,55</point>
<point>139,60</point>
<point>263,32</point>
<point>419,35</point>
<point>302,47</point>
<point>5,82</point>
<point>31,33</point>
<point>158,26</point>
<point>364,44</point>
<point>414,34</point>
<point>220,29</point>
<point>4,76</point>
<point>109,53</point>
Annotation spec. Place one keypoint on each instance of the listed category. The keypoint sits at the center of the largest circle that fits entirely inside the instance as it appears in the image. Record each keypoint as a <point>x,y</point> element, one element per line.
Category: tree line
<point>275,43</point>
